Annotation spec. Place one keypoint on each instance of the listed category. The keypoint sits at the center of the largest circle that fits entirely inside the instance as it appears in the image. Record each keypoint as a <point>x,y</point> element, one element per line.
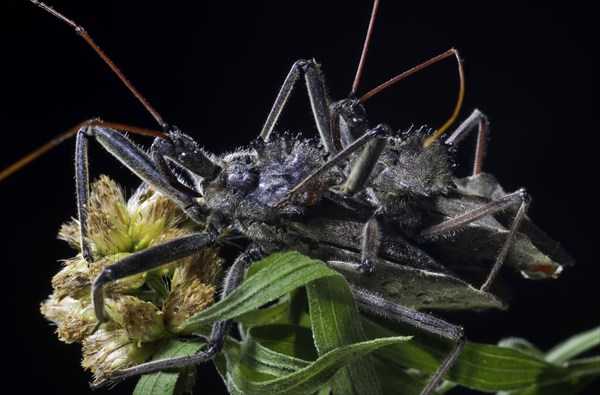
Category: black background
<point>214,70</point>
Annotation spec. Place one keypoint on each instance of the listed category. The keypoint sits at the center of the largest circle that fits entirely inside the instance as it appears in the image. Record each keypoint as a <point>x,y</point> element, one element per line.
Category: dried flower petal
<point>171,293</point>
<point>108,350</point>
<point>142,321</point>
<point>75,320</point>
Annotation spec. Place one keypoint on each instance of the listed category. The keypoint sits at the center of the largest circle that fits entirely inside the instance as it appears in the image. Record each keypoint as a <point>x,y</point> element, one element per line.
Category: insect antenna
<point>72,131</point>
<point>401,76</point>
<point>67,135</point>
<point>363,55</point>
<point>407,73</point>
<point>88,39</point>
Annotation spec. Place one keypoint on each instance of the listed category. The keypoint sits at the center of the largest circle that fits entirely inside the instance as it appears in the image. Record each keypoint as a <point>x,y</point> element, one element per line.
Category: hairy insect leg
<point>145,260</point>
<point>131,156</point>
<point>184,151</point>
<point>519,197</point>
<point>318,101</point>
<point>370,240</point>
<point>339,125</point>
<point>370,245</point>
<point>376,132</point>
<point>426,322</point>
<point>232,280</point>
<point>363,166</point>
<point>479,120</point>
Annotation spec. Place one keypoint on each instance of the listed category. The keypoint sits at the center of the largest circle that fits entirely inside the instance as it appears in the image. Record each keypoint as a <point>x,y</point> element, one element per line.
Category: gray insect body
<point>411,189</point>
<point>255,179</point>
<point>416,188</point>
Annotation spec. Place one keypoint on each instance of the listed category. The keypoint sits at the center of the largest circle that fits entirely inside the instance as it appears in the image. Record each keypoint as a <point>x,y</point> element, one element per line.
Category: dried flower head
<point>143,309</point>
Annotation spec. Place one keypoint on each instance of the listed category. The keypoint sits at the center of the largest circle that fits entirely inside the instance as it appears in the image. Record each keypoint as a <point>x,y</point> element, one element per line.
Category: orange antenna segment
<point>363,55</point>
<point>83,34</point>
<point>423,65</point>
<point>459,101</point>
<point>68,134</point>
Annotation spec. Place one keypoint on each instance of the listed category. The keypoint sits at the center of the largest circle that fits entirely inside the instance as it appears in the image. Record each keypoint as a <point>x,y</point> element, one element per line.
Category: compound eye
<point>244,180</point>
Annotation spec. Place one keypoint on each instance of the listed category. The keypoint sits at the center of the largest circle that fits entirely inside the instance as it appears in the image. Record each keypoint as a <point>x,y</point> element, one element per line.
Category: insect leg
<point>233,279</point>
<point>184,151</point>
<point>426,322</point>
<point>131,156</point>
<point>363,166</point>
<point>145,260</point>
<point>479,120</point>
<point>325,119</point>
<point>370,245</point>
<point>519,197</point>
<point>376,132</point>
<point>318,101</point>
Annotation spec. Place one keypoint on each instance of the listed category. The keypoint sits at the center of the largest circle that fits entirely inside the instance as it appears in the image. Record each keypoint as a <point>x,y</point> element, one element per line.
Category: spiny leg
<point>378,305</point>
<point>318,101</point>
<point>479,120</point>
<point>519,197</point>
<point>376,132</point>
<point>184,151</point>
<point>371,239</point>
<point>363,166</point>
<point>131,156</point>
<point>145,260</point>
<point>426,322</point>
<point>233,279</point>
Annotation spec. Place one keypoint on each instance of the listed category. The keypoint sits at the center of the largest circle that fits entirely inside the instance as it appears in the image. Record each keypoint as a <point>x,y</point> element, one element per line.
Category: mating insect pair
<point>375,204</point>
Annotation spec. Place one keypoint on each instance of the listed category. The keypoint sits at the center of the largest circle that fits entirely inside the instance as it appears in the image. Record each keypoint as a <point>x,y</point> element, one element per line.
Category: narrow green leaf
<point>326,390</point>
<point>522,345</point>
<point>489,368</point>
<point>395,379</point>
<point>577,376</point>
<point>290,309</point>
<point>423,355</point>
<point>225,361</point>
<point>277,313</point>
<point>336,323</point>
<point>480,366</point>
<point>311,378</point>
<point>278,350</point>
<point>279,275</point>
<point>171,382</point>
<point>574,346</point>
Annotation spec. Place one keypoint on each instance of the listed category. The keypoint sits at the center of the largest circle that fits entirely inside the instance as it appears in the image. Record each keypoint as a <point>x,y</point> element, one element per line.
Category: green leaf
<point>170,382</point>
<point>479,366</point>
<point>281,358</point>
<point>578,374</point>
<point>487,367</point>
<point>225,361</point>
<point>336,323</point>
<point>278,350</point>
<point>522,345</point>
<point>574,346</point>
<point>271,351</point>
<point>279,274</point>
<point>396,380</point>
<point>311,378</point>
<point>277,313</point>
